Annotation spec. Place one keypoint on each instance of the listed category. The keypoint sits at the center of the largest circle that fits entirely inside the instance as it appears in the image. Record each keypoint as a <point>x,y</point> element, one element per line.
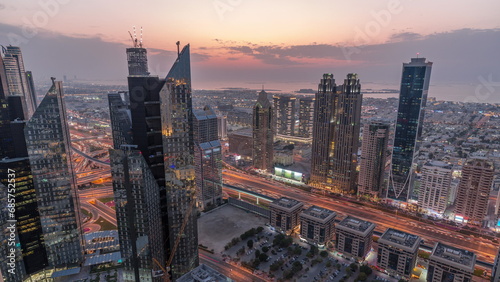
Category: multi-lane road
<point>233,272</point>
<point>485,249</point>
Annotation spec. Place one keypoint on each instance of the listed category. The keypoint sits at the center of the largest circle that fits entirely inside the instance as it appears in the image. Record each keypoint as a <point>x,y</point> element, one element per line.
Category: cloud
<point>405,36</point>
<point>90,57</point>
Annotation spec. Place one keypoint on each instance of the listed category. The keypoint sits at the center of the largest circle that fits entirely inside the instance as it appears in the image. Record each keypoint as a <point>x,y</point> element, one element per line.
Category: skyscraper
<point>323,129</point>
<point>263,133</point>
<point>16,182</point>
<point>306,117</point>
<point>208,158</point>
<point>48,141</point>
<point>284,113</point>
<point>373,158</point>
<point>16,177</point>
<point>119,114</point>
<point>18,81</point>
<point>222,127</point>
<point>137,199</point>
<point>162,129</point>
<point>435,187</point>
<point>473,191</point>
<point>137,59</point>
<point>412,100</point>
<point>337,117</point>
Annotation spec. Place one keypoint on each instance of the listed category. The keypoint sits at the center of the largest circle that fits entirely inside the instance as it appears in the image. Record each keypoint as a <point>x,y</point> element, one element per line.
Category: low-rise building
<point>398,251</point>
<point>354,236</point>
<point>285,214</point>
<point>317,225</point>
<point>448,263</point>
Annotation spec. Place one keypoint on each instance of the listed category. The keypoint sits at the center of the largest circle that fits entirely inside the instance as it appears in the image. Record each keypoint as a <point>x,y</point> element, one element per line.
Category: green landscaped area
<point>106,199</point>
<point>105,225</point>
<point>86,212</point>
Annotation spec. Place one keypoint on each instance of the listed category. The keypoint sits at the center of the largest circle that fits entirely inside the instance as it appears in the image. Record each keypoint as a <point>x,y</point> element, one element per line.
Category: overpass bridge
<point>102,163</point>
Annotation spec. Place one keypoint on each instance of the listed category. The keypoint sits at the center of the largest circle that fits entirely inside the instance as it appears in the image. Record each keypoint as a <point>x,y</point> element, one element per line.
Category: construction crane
<point>136,43</point>
<point>166,269</point>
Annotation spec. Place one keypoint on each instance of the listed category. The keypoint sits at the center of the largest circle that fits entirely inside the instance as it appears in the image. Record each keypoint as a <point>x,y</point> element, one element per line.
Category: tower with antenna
<point>137,56</point>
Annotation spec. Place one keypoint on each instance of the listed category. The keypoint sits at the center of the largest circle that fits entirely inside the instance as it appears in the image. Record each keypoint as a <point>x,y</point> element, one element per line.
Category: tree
<point>250,243</point>
<point>276,265</point>
<point>255,263</point>
<point>348,271</point>
<point>297,251</point>
<point>353,266</point>
<point>296,266</point>
<point>265,249</point>
<point>241,251</point>
<point>366,269</point>
<point>260,229</point>
<point>362,276</point>
<point>328,264</point>
<point>257,254</point>
<point>314,249</point>
<point>277,239</point>
<point>323,254</point>
<point>263,257</point>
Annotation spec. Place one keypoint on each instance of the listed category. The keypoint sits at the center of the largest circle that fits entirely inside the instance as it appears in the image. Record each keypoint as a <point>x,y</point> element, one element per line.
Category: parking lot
<point>219,226</point>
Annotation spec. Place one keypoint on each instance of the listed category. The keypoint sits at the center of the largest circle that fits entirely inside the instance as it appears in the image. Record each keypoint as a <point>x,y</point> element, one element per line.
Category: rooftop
<point>320,213</point>
<point>400,239</point>
<point>351,223</point>
<point>448,254</point>
<point>287,203</point>
<point>203,273</point>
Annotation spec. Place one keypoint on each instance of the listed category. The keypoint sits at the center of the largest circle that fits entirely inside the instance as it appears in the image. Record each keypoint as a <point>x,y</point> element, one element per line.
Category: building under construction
<point>162,130</point>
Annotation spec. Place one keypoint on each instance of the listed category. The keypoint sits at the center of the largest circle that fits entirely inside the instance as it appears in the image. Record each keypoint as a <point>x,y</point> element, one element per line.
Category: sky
<point>282,44</point>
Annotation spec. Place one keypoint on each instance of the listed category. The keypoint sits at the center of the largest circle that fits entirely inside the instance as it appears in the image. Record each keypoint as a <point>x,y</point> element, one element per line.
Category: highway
<point>234,272</point>
<point>485,249</point>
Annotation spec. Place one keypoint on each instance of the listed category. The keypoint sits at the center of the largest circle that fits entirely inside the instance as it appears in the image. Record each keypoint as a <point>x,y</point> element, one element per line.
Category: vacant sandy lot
<point>217,228</point>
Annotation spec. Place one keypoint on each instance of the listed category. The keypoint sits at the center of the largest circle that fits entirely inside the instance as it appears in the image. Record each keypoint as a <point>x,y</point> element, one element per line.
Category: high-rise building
<point>373,158</point>
<point>354,236</point>
<point>137,199</point>
<point>397,252</point>
<point>17,182</point>
<point>448,263</point>
<point>121,124</point>
<point>317,225</point>
<point>337,114</point>
<point>284,113</point>
<point>306,117</point>
<point>222,127</point>
<point>263,133</point>
<point>208,158</point>
<point>137,58</point>
<point>18,81</point>
<point>285,214</point>
<point>435,184</point>
<point>412,100</point>
<point>471,203</point>
<point>48,144</point>
<point>162,128</point>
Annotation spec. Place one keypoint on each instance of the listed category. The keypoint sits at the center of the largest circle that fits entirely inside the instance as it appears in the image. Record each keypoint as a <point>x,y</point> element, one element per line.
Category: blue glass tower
<point>412,101</point>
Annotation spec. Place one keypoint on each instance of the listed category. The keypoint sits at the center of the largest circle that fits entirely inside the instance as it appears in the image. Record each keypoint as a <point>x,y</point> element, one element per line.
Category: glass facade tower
<point>48,140</point>
<point>408,132</point>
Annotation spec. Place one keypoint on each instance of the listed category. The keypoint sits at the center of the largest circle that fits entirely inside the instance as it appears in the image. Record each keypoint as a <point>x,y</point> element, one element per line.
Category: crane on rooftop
<point>137,43</point>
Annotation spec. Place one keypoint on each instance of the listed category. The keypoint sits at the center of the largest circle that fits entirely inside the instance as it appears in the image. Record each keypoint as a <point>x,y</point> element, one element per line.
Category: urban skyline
<point>221,158</point>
